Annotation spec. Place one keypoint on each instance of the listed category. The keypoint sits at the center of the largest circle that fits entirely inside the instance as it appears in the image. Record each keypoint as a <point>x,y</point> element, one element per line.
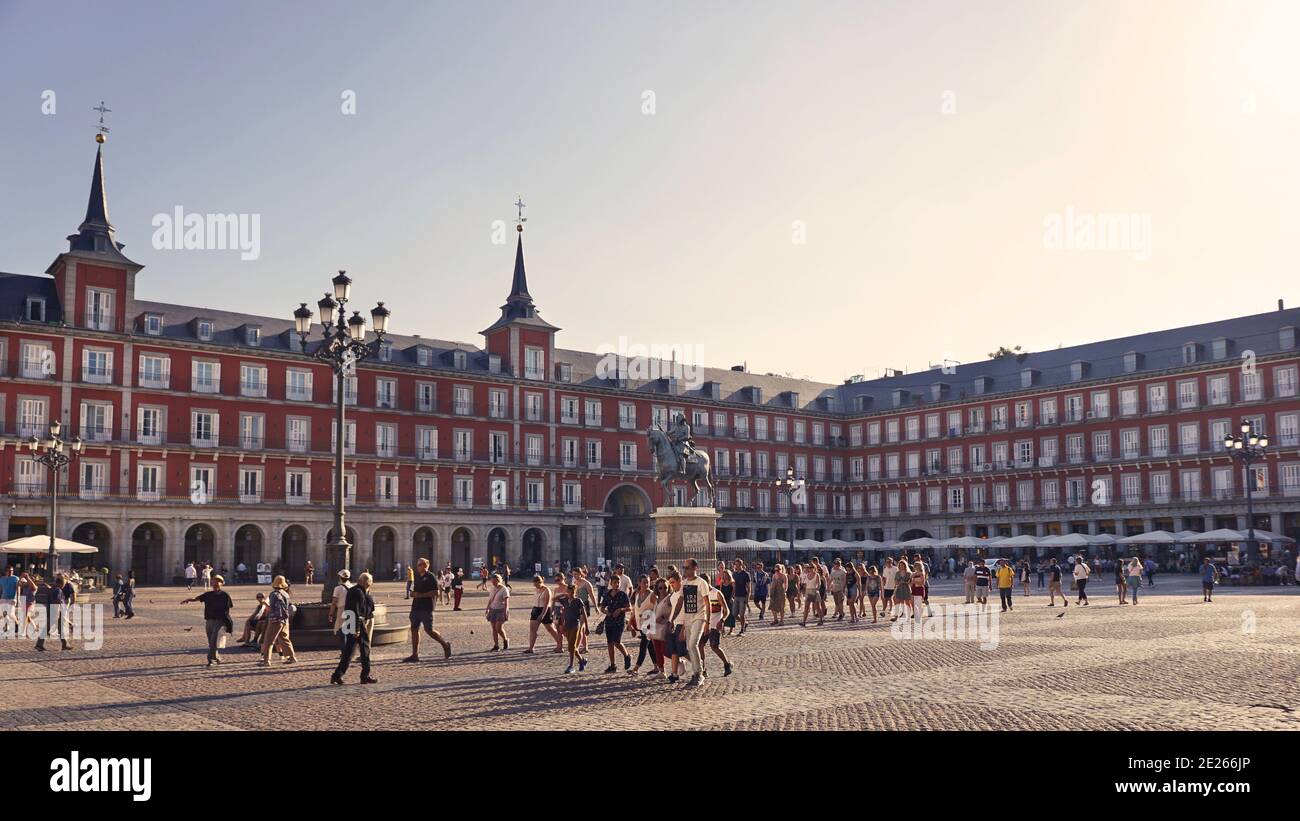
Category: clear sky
<point>920,150</point>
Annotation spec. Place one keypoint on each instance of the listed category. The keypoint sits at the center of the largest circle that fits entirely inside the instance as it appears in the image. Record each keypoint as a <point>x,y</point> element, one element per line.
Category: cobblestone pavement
<point>1173,662</point>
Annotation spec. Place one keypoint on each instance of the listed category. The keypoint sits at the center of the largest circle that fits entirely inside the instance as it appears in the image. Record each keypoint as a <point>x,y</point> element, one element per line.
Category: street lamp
<point>343,345</point>
<point>792,487</point>
<point>1249,448</point>
<point>55,452</point>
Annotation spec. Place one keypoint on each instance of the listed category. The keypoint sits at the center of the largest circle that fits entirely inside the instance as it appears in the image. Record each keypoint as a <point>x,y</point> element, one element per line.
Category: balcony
<point>296,393</point>
<point>93,492</point>
<point>572,506</point>
<point>253,388</point>
<point>462,455</point>
<point>295,499</point>
<point>425,502</point>
<point>251,441</point>
<point>201,439</point>
<point>96,375</point>
<point>626,423</point>
<point>298,445</point>
<point>37,369</point>
<point>568,419</point>
<point>593,421</point>
<point>98,321</point>
<point>148,495</point>
<point>250,497</point>
<point>426,453</point>
<point>534,459</point>
<point>205,384</point>
<point>155,382</point>
<point>96,433</point>
<point>386,500</point>
<point>385,450</point>
<point>144,436</point>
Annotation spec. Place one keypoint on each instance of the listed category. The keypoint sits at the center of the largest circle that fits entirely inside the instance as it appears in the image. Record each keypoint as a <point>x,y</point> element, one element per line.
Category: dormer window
<point>1189,353</point>
<point>565,372</point>
<point>1078,370</point>
<point>1220,348</point>
<point>35,311</point>
<point>1286,338</point>
<point>458,360</point>
<point>253,336</point>
<point>1132,361</point>
<point>153,324</point>
<point>204,329</point>
<point>422,356</point>
<point>385,352</point>
<point>494,363</point>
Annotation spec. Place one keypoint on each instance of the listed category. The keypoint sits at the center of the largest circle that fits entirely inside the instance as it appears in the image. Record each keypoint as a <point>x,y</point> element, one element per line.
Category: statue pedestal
<point>682,533</point>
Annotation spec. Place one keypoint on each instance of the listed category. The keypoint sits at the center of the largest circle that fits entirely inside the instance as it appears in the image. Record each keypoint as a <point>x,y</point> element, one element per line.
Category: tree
<point>1005,351</point>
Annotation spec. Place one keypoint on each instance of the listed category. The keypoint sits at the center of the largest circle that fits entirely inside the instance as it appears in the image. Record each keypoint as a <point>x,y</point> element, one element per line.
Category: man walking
<point>358,621</point>
<point>216,615</point>
<point>8,599</point>
<point>1054,584</point>
<point>693,605</point>
<point>1006,580</point>
<point>741,581</point>
<point>1209,578</point>
<point>424,589</point>
<point>191,575</point>
<point>1081,574</point>
<point>968,581</point>
<point>838,576</point>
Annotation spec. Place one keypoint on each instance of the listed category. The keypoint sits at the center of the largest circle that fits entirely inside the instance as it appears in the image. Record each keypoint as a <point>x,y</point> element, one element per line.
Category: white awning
<point>41,544</point>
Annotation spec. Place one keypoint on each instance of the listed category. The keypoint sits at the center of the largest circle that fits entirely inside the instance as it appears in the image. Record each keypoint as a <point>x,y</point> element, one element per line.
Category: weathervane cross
<point>519,203</point>
<point>102,109</point>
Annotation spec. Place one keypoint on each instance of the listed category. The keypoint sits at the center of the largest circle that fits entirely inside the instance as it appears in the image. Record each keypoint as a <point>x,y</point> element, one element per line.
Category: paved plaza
<point>1170,663</point>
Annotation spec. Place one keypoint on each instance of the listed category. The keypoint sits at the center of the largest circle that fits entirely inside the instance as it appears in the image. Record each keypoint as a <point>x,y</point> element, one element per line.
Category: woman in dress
<point>498,611</point>
<point>642,619</point>
<point>1121,583</point>
<point>1024,575</point>
<point>920,582</point>
<point>663,612</point>
<point>903,590</point>
<point>779,586</point>
<point>277,624</point>
<point>792,587</point>
<point>871,590</point>
<point>851,590</point>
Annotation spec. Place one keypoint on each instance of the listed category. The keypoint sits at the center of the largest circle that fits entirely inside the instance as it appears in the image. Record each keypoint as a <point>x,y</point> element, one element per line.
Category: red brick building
<point>210,434</point>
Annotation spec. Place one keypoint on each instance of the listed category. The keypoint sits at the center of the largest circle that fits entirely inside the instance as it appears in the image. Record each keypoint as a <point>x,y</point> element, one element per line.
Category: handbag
<point>600,628</point>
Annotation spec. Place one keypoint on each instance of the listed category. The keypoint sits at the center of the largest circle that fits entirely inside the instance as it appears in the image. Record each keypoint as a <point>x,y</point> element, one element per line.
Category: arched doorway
<point>200,541</point>
<point>461,545</point>
<point>248,549</point>
<point>423,546</point>
<point>95,534</point>
<point>382,553</point>
<point>496,547</point>
<point>628,521</point>
<point>293,554</point>
<point>147,545</point>
<point>334,555</point>
<point>533,548</point>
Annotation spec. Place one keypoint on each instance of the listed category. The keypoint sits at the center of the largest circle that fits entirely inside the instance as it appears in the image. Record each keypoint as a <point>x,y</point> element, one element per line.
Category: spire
<point>519,305</point>
<point>519,287</point>
<point>97,204</point>
<point>96,233</point>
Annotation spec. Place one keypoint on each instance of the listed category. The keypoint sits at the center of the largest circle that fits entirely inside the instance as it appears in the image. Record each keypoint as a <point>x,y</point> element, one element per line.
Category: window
<point>93,484</point>
<point>459,359</point>
<point>148,482</point>
<point>1051,493</point>
<point>891,431</point>
<point>779,430</point>
<point>297,487</point>
<point>498,448</point>
<point>627,455</point>
<point>913,428</point>
<point>462,445</point>
<point>720,427</point>
<point>1190,484</point>
<point>1101,446</point>
<point>740,427</point>
<point>97,366</point>
<point>1129,446</point>
<point>205,330</point>
<point>203,428</point>
<point>1252,386</point>
<point>99,309</point>
<point>760,429</point>
<point>1187,394</point>
<point>253,337</point>
<point>593,453</point>
<point>1128,402</point>
<point>423,357</point>
<point>38,360</point>
<point>592,412</point>
<point>569,452</point>
<point>1074,408</point>
<point>426,443</point>
<point>155,371</point>
<point>1159,440</point>
<point>386,494</point>
<point>252,380</point>
<point>426,491</point>
<point>385,440</point>
<point>533,407</point>
<point>1047,411</point>
<point>153,324</point>
<point>535,364</point>
<point>349,390</point>
<point>424,396</point>
<point>568,410</point>
<point>1284,381</point>
<point>35,311</point>
<point>462,400</point>
<point>627,415</point>
<point>1100,405</point>
<point>1189,438</point>
<point>252,429</point>
<point>96,421</point>
<point>297,434</point>
<point>297,385</point>
<point>385,393</point>
<point>349,437</point>
<point>572,496</point>
<point>1219,391</point>
<point>250,485</point>
<point>1159,488</point>
<point>205,376</point>
<point>148,426</point>
<point>533,448</point>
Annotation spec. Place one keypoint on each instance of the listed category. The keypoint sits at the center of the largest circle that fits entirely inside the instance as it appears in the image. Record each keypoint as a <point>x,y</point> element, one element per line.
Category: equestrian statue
<point>679,459</point>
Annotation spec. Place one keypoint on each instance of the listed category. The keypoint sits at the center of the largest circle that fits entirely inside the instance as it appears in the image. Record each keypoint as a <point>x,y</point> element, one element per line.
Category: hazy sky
<point>821,188</point>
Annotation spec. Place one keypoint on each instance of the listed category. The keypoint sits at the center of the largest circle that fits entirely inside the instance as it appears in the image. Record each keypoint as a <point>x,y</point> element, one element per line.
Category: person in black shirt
<point>1054,584</point>
<point>216,615</point>
<point>740,594</point>
<point>616,605</point>
<point>574,612</point>
<point>54,613</point>
<point>424,590</point>
<point>358,620</point>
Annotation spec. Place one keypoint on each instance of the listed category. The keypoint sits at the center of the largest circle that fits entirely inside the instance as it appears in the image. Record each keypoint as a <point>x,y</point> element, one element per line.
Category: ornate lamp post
<point>55,452</point>
<point>343,345</point>
<point>1249,448</point>
<point>792,488</point>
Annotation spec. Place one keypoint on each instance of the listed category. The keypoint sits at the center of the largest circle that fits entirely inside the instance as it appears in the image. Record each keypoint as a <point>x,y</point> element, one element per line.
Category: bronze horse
<point>697,465</point>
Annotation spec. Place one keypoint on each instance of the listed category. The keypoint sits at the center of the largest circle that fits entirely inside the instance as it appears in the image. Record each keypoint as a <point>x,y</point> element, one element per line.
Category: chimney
<point>1279,305</point>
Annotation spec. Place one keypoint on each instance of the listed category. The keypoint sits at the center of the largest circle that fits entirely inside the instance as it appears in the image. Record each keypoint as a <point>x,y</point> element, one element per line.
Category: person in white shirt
<point>968,581</point>
<point>1081,574</point>
<point>694,610</point>
<point>888,583</point>
<point>812,582</point>
<point>718,612</point>
<point>191,575</point>
<point>337,601</point>
<point>622,581</point>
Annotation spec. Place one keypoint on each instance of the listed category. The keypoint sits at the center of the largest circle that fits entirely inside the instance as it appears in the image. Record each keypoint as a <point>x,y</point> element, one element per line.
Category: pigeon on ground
<point>1060,615</point>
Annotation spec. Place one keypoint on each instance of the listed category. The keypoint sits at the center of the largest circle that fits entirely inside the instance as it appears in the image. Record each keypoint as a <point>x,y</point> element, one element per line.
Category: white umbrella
<point>808,544</point>
<point>1065,540</point>
<point>1101,539</point>
<point>1269,536</point>
<point>965,541</point>
<point>777,543</point>
<point>1220,535</point>
<point>923,541</point>
<point>838,543</point>
<point>1024,540</point>
<point>41,544</point>
<point>869,544</point>
<point>1154,537</point>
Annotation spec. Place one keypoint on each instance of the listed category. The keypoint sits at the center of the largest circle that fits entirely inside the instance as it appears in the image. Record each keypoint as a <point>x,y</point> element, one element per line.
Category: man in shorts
<point>1054,584</point>
<point>968,581</point>
<point>574,620</point>
<point>839,577</point>
<point>1209,577</point>
<point>694,604</point>
<point>8,600</point>
<point>423,591</point>
<point>982,576</point>
<point>888,581</point>
<point>616,605</point>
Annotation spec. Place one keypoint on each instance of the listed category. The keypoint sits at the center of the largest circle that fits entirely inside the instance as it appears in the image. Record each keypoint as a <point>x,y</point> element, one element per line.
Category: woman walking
<point>1134,577</point>
<point>920,585</point>
<point>871,590</point>
<point>643,623</point>
<point>662,622</point>
<point>541,616</point>
<point>780,584</point>
<point>1024,576</point>
<point>277,624</point>
<point>1121,582</point>
<point>851,588</point>
<point>792,585</point>
<point>902,591</point>
<point>1081,574</point>
<point>498,611</point>
<point>27,590</point>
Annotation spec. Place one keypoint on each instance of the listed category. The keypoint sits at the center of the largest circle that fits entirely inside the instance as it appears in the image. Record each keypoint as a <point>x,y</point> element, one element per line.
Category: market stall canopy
<point>923,541</point>
<point>1065,540</point>
<point>745,544</point>
<point>838,543</point>
<point>966,541</point>
<point>41,544</point>
<point>869,544</point>
<point>1270,536</point>
<point>1221,535</point>
<point>808,544</point>
<point>1100,539</point>
<point>1154,537</point>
